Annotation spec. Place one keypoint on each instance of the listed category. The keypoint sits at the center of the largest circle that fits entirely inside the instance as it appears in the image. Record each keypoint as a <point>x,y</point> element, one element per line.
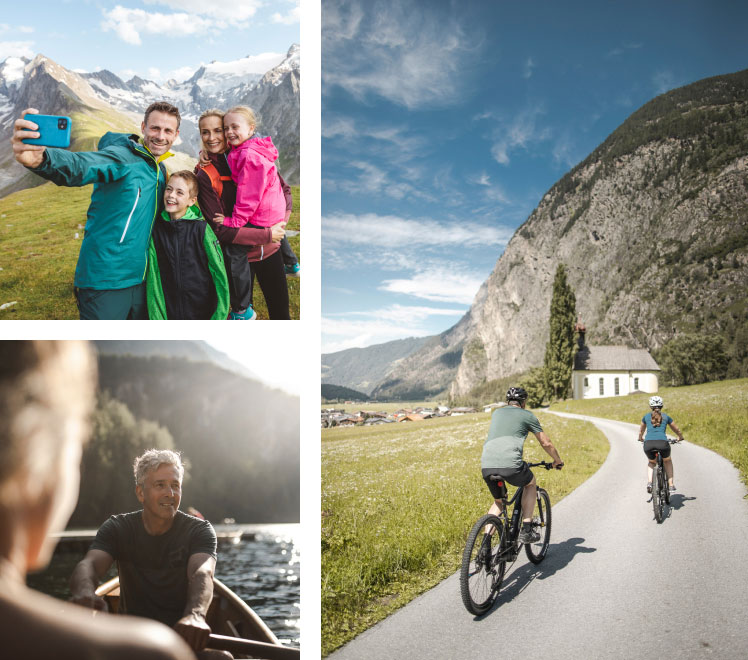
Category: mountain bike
<point>660,487</point>
<point>494,541</point>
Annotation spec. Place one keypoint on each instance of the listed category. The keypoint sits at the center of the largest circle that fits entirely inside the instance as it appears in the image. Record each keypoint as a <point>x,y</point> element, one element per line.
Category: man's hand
<point>204,159</point>
<point>91,601</point>
<point>218,219</point>
<point>277,232</point>
<point>29,155</point>
<point>194,630</point>
<point>557,464</point>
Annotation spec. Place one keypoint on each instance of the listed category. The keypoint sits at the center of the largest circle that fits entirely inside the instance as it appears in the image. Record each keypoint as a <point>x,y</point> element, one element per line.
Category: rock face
<point>653,230</point>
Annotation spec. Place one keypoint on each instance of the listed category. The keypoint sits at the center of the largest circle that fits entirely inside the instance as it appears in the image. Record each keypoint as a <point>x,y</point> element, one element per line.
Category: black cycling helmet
<point>516,394</point>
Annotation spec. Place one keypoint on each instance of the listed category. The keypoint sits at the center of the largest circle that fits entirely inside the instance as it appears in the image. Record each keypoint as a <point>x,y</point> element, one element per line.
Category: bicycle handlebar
<point>545,464</point>
<point>672,442</point>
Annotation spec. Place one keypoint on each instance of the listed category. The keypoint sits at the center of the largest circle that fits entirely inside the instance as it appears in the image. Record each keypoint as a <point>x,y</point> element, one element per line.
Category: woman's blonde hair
<point>212,112</point>
<point>246,112</point>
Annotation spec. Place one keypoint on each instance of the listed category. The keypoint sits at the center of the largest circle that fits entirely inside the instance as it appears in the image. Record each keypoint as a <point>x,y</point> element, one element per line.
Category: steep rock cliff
<point>653,230</point>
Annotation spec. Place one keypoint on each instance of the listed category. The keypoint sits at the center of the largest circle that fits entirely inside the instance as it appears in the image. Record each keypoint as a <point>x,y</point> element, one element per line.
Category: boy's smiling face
<point>178,197</point>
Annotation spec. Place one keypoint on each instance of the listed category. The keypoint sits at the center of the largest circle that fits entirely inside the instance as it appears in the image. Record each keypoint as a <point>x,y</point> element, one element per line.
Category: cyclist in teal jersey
<point>655,424</point>
<point>502,456</point>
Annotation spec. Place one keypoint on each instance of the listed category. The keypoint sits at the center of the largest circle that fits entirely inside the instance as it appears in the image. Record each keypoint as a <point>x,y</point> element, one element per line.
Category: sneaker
<point>294,270</point>
<point>672,489</point>
<point>528,535</point>
<point>248,314</point>
<point>649,487</point>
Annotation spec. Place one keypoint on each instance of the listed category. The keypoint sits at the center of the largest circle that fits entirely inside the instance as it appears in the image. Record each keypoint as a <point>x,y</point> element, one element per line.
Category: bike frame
<point>511,550</point>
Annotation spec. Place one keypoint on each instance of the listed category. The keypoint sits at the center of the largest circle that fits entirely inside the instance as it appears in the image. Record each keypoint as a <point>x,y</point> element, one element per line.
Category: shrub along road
<point>615,584</point>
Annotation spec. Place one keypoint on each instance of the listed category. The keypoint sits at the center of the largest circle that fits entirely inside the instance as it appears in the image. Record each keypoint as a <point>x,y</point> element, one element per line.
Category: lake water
<point>262,569</point>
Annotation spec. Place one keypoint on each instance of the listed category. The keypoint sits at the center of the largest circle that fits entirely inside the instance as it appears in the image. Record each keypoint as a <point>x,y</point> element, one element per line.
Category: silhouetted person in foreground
<point>46,398</point>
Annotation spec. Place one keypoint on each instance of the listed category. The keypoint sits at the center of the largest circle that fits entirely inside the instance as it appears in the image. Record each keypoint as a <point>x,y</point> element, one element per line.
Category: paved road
<point>615,584</point>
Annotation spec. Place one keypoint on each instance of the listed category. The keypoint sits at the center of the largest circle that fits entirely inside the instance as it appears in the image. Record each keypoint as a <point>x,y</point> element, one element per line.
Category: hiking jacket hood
<point>128,193</point>
<point>259,196</point>
<point>186,276</point>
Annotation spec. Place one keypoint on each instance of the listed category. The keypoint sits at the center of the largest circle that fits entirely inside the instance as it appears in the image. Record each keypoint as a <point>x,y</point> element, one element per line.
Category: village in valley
<point>339,418</point>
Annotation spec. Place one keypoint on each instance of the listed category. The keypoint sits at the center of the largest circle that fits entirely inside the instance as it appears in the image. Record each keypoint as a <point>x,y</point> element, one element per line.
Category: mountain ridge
<point>652,227</point>
<point>100,101</point>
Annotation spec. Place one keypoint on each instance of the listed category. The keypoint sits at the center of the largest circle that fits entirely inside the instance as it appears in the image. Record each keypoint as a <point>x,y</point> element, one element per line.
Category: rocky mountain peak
<point>653,229</point>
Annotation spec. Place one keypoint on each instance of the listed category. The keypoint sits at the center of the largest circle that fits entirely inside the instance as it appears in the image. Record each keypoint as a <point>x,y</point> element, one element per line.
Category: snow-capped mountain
<point>268,83</point>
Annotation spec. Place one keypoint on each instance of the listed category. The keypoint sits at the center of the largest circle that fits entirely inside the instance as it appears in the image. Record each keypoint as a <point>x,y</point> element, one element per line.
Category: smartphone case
<point>54,130</point>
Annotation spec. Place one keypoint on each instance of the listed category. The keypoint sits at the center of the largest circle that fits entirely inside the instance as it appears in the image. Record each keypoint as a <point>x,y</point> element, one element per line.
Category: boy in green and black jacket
<point>186,276</point>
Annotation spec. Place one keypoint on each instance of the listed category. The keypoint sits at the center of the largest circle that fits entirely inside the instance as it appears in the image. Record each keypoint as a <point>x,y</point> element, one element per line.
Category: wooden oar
<point>255,649</point>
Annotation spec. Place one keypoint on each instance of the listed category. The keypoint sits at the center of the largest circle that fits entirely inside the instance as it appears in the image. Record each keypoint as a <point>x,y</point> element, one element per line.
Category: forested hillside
<point>239,438</point>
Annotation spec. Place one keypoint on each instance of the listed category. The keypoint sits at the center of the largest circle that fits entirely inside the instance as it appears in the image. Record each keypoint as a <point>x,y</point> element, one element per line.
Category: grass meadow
<point>41,230</point>
<point>398,502</point>
<point>713,415</point>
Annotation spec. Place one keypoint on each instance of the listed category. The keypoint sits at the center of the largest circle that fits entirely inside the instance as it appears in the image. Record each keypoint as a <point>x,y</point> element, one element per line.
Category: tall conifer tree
<point>561,347</point>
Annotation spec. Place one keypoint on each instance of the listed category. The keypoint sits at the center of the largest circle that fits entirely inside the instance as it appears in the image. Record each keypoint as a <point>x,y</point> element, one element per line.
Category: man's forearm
<point>199,594</point>
<point>83,581</point>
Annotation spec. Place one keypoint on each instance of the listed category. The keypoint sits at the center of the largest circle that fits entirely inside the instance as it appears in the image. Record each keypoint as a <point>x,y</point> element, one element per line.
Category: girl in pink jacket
<point>260,201</point>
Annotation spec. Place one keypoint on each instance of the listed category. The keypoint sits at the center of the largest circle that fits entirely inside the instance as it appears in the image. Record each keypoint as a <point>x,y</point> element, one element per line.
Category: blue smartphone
<point>54,131</point>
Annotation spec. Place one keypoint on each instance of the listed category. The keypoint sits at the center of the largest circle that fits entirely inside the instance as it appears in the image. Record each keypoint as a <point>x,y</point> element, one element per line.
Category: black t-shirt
<point>153,569</point>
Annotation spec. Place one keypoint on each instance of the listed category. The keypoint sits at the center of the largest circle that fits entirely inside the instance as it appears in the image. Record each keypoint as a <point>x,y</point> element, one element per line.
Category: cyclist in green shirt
<point>502,455</point>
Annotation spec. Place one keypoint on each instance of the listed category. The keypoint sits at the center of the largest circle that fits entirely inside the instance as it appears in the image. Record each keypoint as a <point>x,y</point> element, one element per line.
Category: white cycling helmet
<point>655,402</point>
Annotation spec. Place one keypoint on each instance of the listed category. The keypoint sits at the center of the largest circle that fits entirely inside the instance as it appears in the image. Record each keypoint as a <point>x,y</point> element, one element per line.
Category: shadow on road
<point>558,557</point>
<point>678,501</point>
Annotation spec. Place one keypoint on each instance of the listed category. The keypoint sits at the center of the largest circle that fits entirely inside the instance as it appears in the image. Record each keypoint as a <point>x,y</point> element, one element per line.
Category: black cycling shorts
<point>651,447</point>
<point>520,476</point>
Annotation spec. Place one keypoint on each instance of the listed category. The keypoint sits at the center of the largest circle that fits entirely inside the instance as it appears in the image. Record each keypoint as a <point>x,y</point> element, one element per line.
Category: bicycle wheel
<point>657,496</point>
<point>541,523</point>
<point>482,571</point>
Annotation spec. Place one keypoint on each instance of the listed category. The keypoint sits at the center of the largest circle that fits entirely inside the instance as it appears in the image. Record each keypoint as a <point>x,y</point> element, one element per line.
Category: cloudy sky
<point>445,123</point>
<point>154,39</point>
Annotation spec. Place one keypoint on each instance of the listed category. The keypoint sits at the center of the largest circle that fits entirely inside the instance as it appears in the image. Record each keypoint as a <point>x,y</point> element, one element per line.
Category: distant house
<point>603,371</point>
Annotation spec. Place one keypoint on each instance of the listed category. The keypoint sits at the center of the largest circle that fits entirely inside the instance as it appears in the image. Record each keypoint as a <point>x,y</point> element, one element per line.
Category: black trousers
<point>271,276</point>
<point>240,276</point>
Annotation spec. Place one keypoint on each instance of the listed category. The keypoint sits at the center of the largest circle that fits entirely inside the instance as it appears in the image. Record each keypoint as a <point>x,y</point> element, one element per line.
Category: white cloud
<point>229,11</point>
<point>360,329</point>
<point>664,81</point>
<point>491,192</point>
<point>129,24</point>
<point>621,50</point>
<point>292,17</point>
<point>412,58</point>
<point>16,49</point>
<point>439,285</point>
<point>519,133</point>
<point>527,69</point>
<point>564,153</point>
<point>374,230</point>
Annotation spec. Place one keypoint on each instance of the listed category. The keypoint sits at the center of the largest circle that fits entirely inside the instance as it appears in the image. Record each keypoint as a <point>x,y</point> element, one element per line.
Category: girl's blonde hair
<point>246,112</point>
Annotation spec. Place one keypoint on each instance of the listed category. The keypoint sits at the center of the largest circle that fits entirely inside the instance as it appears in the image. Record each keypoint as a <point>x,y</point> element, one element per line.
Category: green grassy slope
<point>39,250</point>
<point>713,415</point>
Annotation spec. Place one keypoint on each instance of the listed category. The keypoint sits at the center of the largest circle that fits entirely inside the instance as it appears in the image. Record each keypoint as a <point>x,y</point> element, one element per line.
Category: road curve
<point>615,584</point>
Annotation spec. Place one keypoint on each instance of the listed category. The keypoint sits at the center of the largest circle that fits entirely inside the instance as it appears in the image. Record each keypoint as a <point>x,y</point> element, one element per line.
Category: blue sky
<point>445,123</point>
<point>154,39</point>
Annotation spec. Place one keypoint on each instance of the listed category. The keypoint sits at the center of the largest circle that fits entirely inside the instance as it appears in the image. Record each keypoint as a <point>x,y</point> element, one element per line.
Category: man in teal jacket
<point>129,179</point>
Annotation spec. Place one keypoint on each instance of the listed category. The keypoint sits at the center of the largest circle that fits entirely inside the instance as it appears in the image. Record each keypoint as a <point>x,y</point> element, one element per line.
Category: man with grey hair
<point>166,558</point>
